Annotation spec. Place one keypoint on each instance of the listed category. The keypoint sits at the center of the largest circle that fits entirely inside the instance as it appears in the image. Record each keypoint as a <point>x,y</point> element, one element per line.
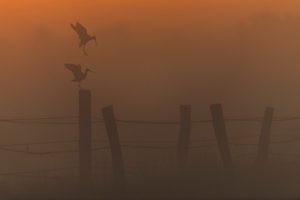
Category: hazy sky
<point>152,55</point>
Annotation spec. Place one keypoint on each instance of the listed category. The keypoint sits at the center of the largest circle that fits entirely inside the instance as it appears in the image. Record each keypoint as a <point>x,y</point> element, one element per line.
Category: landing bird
<point>84,37</point>
<point>77,72</point>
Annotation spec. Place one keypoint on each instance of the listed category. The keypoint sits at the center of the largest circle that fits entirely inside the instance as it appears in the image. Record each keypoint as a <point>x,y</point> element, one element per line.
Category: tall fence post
<point>222,139</point>
<point>115,146</point>
<point>265,137</point>
<point>85,135</point>
<point>184,138</point>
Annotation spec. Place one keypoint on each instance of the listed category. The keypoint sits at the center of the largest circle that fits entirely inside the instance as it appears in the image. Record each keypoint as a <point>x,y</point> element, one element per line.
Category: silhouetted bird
<point>77,72</point>
<point>83,36</point>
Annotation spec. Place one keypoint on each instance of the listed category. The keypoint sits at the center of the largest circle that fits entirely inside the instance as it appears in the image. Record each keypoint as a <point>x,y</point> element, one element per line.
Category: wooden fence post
<point>85,134</point>
<point>115,146</point>
<point>265,137</point>
<point>222,139</point>
<point>184,137</point>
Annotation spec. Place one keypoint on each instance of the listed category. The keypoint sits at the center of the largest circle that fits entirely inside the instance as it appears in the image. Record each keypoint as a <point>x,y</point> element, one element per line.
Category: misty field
<point>149,99</point>
<point>112,158</point>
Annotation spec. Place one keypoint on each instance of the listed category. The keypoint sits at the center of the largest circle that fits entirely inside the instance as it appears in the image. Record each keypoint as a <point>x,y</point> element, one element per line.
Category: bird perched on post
<point>79,75</point>
<point>84,37</point>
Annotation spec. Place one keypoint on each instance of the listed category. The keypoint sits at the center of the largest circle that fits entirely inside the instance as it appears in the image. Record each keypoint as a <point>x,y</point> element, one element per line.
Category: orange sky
<point>19,18</point>
<point>21,13</point>
<point>144,45</point>
<point>153,55</point>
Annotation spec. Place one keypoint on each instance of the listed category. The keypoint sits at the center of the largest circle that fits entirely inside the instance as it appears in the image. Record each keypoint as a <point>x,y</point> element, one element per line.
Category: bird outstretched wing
<point>79,29</point>
<point>75,69</point>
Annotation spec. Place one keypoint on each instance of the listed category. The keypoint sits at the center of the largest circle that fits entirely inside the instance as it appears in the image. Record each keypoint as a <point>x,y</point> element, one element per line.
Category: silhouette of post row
<point>85,140</point>
<point>222,138</point>
<point>115,146</point>
<point>265,139</point>
<point>218,122</point>
<point>183,139</point>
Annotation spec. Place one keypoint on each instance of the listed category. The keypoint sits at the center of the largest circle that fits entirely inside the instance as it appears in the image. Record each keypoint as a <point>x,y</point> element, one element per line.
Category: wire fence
<point>127,144</point>
<point>45,120</point>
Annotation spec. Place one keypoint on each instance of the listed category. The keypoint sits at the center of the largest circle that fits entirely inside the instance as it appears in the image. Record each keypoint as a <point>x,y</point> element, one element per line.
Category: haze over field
<point>152,55</point>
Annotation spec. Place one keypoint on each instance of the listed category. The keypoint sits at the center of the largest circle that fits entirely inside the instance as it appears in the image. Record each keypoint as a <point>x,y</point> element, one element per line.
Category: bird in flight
<point>84,37</point>
<point>79,75</point>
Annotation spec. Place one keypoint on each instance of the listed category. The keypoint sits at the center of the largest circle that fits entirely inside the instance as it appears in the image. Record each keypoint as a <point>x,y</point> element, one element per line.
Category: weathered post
<point>115,146</point>
<point>184,138</point>
<point>265,137</point>
<point>85,134</point>
<point>222,139</point>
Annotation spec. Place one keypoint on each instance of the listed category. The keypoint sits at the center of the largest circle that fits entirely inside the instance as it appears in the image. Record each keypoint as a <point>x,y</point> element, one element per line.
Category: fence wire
<point>45,120</point>
<point>127,144</point>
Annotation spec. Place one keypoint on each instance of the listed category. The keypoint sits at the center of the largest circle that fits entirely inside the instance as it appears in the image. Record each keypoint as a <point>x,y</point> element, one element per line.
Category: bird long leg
<point>84,50</point>
<point>79,86</point>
